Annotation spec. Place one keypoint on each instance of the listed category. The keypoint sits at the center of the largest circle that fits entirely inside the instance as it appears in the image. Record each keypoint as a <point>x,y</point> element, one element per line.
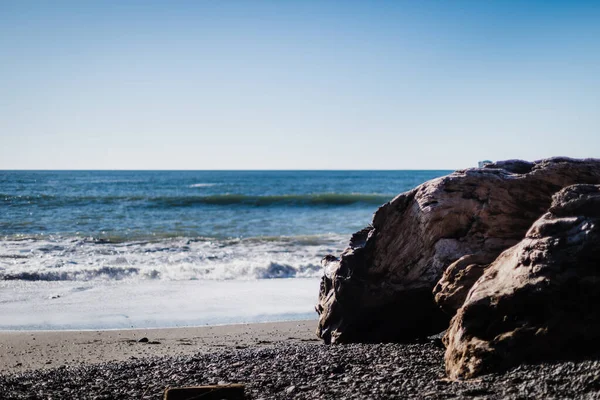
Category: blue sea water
<point>196,219</point>
<point>75,245</point>
<point>126,205</point>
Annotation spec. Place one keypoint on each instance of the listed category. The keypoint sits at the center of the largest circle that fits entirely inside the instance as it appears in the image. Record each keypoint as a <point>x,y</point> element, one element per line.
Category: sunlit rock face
<point>539,299</point>
<point>443,235</point>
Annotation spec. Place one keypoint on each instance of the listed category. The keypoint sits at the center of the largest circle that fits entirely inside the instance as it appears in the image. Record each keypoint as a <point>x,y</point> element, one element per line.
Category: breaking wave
<point>271,271</point>
<point>83,259</point>
<point>108,273</point>
<point>197,185</point>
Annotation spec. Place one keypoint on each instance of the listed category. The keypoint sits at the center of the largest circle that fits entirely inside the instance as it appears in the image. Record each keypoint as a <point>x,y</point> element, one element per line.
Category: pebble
<point>290,389</point>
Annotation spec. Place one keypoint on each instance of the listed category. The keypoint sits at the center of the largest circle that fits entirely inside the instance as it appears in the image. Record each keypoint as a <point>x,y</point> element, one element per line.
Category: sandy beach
<point>281,360</point>
<point>27,350</point>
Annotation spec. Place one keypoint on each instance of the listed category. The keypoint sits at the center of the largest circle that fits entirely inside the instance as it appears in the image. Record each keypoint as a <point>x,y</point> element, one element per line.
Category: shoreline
<point>149,328</point>
<point>22,350</point>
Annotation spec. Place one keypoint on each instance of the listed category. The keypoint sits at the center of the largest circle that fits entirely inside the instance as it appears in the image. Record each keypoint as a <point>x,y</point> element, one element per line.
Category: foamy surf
<point>172,259</point>
<point>200,185</point>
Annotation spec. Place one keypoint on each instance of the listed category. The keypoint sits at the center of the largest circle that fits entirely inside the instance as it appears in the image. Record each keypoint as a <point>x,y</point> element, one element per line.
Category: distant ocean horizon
<point>86,235</point>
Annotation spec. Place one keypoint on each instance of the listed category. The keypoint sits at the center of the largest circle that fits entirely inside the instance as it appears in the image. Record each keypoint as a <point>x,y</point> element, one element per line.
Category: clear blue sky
<point>296,84</point>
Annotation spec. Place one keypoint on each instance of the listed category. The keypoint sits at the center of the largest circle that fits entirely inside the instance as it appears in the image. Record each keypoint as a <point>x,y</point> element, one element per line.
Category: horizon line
<point>221,170</point>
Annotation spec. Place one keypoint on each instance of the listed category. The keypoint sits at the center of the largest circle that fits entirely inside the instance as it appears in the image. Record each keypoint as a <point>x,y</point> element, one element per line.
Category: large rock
<point>380,287</point>
<point>539,299</point>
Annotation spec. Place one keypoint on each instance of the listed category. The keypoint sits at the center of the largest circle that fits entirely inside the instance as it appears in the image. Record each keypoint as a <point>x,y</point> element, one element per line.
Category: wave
<point>176,259</point>
<point>319,199</point>
<point>141,238</point>
<point>197,185</point>
<point>109,273</point>
<point>272,270</point>
<point>288,200</point>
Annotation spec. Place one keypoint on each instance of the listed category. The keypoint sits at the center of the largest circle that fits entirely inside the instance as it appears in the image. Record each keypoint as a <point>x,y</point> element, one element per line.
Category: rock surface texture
<point>443,235</point>
<point>539,299</point>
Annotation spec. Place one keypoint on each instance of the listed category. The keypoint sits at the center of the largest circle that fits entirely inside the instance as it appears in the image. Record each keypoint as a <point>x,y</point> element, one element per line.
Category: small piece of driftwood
<point>211,392</point>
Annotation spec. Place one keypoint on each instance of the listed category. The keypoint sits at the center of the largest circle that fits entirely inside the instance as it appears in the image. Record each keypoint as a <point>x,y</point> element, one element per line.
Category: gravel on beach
<point>307,371</point>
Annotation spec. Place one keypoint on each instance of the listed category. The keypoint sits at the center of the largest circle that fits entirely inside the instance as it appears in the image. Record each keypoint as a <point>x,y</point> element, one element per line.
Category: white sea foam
<point>197,185</point>
<point>175,259</point>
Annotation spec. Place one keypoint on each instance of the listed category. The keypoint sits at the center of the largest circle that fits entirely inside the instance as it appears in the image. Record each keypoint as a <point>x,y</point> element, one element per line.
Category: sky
<point>296,84</point>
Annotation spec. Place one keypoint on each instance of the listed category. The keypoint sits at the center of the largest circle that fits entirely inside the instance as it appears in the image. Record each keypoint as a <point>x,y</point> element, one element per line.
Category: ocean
<point>139,249</point>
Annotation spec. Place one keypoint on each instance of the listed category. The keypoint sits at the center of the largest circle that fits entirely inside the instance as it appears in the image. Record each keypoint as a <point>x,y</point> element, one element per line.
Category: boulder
<point>380,287</point>
<point>540,298</point>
